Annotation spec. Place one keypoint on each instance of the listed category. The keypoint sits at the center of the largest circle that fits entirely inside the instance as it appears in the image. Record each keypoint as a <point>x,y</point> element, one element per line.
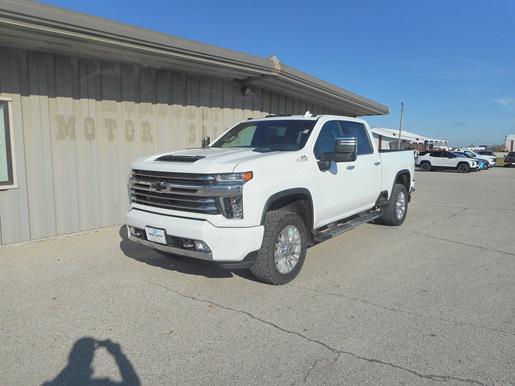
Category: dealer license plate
<point>156,235</point>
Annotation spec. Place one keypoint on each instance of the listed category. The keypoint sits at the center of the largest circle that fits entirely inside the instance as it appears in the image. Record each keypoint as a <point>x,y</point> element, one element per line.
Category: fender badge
<point>302,158</point>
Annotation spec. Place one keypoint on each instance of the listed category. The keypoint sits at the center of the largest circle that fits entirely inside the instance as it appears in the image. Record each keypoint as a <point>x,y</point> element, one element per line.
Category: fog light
<point>201,246</point>
<point>187,243</point>
<point>135,231</point>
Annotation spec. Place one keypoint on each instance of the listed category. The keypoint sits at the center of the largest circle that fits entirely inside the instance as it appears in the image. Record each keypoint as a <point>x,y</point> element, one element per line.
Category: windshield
<point>284,134</point>
<point>469,154</point>
<point>461,155</point>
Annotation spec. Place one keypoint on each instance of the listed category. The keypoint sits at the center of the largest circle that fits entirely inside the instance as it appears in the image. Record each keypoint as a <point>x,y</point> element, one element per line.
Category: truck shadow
<point>174,263</point>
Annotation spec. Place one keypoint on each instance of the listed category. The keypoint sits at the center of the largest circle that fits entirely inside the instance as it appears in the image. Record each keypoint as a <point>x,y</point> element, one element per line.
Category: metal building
<point>510,142</point>
<point>387,139</point>
<point>81,97</point>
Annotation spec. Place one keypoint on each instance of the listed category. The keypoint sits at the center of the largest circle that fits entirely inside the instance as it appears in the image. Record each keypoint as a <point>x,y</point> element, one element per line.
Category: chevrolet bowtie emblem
<point>158,186</point>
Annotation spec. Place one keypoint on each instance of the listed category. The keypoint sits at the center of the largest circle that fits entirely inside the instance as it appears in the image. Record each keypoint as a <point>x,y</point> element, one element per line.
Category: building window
<point>7,177</point>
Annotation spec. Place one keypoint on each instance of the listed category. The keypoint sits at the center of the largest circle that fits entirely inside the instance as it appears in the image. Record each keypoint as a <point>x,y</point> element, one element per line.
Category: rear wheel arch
<point>403,177</point>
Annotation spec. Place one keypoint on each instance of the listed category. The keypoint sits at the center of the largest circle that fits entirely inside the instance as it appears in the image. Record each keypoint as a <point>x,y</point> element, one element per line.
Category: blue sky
<point>451,62</point>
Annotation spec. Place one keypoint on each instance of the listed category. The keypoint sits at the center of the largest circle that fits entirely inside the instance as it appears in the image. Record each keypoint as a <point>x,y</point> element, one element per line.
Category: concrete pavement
<point>430,302</point>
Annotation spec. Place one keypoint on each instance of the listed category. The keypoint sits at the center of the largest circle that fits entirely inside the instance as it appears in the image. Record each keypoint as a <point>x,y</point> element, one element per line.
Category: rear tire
<point>395,212</point>
<point>425,166</point>
<point>283,249</point>
<point>463,167</point>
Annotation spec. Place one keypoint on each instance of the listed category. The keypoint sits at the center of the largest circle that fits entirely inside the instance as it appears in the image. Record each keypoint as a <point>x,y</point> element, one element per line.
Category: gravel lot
<point>432,301</point>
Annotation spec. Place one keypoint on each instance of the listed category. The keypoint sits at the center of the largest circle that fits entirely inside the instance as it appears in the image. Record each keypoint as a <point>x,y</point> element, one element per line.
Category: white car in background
<point>491,159</point>
<point>437,159</point>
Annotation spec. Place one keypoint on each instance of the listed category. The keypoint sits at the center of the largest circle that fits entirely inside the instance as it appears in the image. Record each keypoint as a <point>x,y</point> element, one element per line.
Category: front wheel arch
<point>296,200</point>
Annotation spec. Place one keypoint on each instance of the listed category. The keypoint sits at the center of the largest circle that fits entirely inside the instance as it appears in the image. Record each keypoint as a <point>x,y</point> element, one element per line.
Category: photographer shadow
<point>79,371</point>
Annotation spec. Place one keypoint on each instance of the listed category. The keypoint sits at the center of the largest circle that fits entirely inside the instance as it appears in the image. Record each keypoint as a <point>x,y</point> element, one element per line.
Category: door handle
<point>377,163</point>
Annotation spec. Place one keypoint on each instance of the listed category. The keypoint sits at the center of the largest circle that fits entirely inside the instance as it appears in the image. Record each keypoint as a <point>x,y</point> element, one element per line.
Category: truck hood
<point>209,160</point>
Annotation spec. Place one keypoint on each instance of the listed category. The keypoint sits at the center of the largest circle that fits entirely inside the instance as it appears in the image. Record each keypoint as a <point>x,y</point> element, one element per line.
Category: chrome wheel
<point>287,249</point>
<point>400,205</point>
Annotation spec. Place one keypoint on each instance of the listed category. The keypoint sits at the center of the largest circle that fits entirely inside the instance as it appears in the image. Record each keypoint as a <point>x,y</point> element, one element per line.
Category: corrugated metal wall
<point>79,123</point>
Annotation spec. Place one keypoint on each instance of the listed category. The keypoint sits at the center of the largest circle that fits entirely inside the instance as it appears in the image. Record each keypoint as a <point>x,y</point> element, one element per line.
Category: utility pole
<point>400,128</point>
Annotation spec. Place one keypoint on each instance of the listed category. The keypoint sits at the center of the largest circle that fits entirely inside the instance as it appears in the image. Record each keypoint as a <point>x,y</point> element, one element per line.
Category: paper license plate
<point>156,235</point>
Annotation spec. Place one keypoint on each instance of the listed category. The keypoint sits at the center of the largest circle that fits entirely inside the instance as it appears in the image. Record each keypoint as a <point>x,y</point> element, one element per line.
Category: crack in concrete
<point>398,310</point>
<point>469,207</point>
<point>464,244</point>
<point>338,352</point>
<point>418,232</point>
<point>445,219</point>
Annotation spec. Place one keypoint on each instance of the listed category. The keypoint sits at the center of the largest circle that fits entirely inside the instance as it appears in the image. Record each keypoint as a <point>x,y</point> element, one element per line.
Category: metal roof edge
<point>69,24</point>
<point>329,89</point>
<point>61,21</point>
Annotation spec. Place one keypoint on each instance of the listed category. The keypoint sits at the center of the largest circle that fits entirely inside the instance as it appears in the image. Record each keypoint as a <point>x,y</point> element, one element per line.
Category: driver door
<point>346,188</point>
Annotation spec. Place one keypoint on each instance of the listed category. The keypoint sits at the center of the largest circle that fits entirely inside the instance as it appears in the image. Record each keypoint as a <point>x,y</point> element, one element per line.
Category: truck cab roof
<point>312,117</point>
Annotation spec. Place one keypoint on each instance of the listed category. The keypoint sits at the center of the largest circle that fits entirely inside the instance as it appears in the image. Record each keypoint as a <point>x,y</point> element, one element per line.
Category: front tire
<point>463,167</point>
<point>425,166</point>
<point>283,251</point>
<point>395,212</point>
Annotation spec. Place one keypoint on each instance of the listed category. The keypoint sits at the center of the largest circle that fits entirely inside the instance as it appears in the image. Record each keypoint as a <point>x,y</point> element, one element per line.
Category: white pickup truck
<point>265,190</point>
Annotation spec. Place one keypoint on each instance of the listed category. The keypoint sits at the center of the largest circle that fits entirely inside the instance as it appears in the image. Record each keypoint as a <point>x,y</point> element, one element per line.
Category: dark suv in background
<point>509,159</point>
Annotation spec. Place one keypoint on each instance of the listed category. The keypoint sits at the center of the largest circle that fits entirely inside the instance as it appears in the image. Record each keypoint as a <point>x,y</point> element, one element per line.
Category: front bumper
<point>225,244</point>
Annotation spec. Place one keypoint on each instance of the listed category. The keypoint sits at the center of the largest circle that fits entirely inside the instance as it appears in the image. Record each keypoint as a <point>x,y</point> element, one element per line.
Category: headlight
<point>233,177</point>
<point>232,206</point>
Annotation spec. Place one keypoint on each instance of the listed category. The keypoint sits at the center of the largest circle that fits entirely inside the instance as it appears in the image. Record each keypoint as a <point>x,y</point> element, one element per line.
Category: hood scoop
<point>179,158</point>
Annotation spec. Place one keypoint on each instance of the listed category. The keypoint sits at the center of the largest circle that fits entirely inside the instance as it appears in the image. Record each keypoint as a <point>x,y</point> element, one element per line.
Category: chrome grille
<point>175,191</point>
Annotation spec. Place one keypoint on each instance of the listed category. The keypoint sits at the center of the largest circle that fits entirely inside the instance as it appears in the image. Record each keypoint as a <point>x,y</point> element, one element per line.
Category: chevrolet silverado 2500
<point>265,190</point>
